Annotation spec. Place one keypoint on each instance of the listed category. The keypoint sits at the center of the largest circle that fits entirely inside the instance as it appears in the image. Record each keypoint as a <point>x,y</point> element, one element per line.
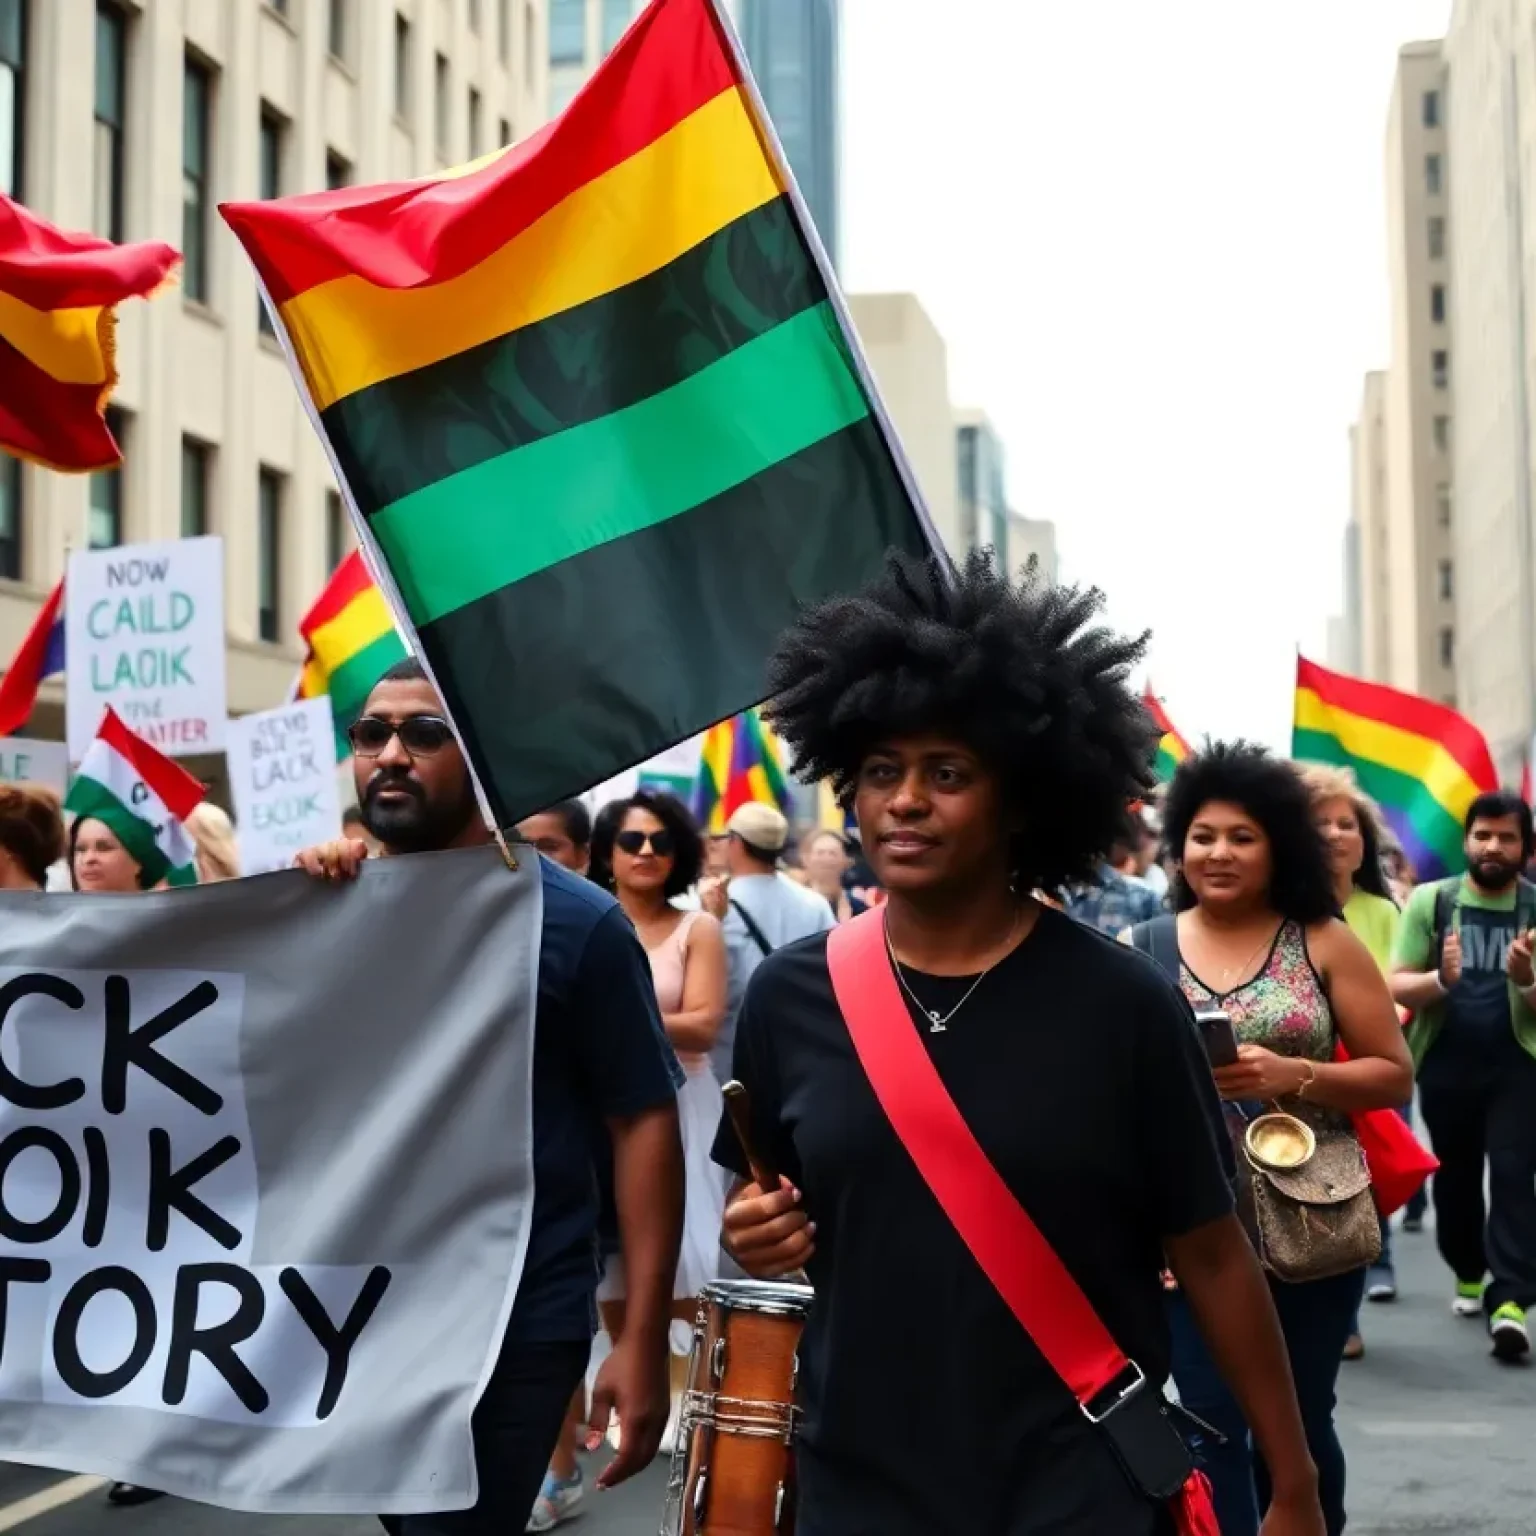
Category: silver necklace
<point>938,1023</point>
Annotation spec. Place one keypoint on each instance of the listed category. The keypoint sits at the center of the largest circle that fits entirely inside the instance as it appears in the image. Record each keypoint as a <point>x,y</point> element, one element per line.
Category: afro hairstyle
<point>1021,673</point>
<point>1271,791</point>
<point>675,817</point>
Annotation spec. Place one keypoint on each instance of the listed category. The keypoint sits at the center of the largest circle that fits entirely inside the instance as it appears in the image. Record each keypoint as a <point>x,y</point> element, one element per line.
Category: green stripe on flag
<point>403,434</point>
<point>1400,792</point>
<point>351,683</point>
<point>498,523</point>
<point>90,797</point>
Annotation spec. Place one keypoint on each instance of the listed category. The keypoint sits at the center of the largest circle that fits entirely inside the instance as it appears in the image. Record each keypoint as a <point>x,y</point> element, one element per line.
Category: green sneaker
<point>1468,1300</point>
<point>1511,1340</point>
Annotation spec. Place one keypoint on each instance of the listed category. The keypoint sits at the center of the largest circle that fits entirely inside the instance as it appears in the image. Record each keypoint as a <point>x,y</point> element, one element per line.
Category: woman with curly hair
<point>648,852</point>
<point>1259,935</point>
<point>988,741</point>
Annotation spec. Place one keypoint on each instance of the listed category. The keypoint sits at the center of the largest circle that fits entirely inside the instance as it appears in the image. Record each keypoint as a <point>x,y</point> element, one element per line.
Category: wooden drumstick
<point>739,1106</point>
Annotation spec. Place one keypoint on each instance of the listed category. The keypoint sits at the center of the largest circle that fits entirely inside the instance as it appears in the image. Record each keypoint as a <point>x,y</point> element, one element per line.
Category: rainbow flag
<point>59,294</point>
<point>1172,749</point>
<point>1420,761</point>
<point>740,761</point>
<point>352,642</point>
<point>594,399</point>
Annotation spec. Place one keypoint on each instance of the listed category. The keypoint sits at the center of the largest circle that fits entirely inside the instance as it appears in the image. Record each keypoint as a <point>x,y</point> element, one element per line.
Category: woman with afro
<point>985,734</point>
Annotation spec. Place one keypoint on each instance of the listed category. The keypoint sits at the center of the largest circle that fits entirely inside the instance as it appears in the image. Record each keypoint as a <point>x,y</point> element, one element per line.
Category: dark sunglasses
<point>420,735</point>
<point>633,843</point>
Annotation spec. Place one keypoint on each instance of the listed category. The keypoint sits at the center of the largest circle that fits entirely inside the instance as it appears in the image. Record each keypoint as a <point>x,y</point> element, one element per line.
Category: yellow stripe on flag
<point>358,625</point>
<point>627,223</point>
<point>64,343</point>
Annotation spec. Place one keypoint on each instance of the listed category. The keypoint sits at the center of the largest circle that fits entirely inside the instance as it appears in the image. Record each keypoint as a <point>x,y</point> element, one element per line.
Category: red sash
<point>1005,1242</point>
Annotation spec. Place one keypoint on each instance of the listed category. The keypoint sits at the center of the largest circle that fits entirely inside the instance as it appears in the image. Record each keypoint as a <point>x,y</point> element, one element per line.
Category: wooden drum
<point>733,1470</point>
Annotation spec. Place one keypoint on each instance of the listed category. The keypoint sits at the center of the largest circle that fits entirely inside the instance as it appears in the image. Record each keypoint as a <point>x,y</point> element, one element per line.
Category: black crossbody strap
<point>757,935</point>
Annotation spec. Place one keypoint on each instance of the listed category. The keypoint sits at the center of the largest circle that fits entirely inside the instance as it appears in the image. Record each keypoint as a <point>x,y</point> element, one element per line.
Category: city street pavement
<point>1441,1442</point>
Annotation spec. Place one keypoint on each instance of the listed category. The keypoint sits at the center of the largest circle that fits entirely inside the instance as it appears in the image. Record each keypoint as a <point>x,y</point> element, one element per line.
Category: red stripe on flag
<point>59,426</point>
<point>52,268</point>
<point>177,790</point>
<point>350,581</point>
<point>1406,712</point>
<point>18,688</point>
<point>409,234</point>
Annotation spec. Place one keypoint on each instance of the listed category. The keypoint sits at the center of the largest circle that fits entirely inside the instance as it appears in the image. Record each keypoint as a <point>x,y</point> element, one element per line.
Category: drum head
<point>776,1298</point>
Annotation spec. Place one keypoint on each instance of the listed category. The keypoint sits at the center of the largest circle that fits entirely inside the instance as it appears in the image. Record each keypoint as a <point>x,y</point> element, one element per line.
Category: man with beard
<point>1462,963</point>
<point>601,1062</point>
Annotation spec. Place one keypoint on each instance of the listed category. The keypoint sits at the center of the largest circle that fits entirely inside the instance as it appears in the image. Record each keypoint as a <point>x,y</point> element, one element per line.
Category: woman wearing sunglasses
<point>648,852</point>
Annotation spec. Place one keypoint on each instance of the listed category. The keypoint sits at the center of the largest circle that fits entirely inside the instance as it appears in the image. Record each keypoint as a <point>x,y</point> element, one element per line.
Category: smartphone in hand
<point>1215,1025</point>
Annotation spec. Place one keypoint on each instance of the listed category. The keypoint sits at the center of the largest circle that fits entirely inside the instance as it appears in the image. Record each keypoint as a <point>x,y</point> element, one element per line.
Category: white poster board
<point>144,632</point>
<point>24,761</point>
<point>282,773</point>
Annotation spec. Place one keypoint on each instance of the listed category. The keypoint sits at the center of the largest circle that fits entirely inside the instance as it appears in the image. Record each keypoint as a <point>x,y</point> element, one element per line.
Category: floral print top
<point>1284,1008</point>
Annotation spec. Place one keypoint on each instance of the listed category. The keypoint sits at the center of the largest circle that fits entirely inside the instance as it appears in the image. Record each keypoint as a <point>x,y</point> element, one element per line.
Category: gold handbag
<point>1312,1199</point>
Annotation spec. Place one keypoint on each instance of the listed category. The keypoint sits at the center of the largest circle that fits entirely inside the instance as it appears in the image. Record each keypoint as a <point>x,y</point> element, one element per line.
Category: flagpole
<point>770,140</point>
<point>378,566</point>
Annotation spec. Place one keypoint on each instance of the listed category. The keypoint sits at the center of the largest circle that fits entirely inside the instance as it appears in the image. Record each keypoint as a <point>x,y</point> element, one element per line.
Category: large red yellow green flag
<point>59,294</point>
<point>594,402</point>
<point>1420,761</point>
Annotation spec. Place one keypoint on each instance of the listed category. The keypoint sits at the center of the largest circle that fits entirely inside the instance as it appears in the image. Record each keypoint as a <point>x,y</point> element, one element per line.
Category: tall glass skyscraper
<point>793,48</point>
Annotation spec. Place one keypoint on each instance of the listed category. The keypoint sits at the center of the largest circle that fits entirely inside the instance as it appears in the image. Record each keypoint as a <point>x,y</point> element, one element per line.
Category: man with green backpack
<point>1463,965</point>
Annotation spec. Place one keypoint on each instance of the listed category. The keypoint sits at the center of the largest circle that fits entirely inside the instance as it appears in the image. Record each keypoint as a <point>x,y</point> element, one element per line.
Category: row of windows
<point>568,28</point>
<point>105,524</point>
<point>1436,238</point>
<point>1430,108</point>
<point>199,91</point>
<point>1440,368</point>
<point>442,85</point>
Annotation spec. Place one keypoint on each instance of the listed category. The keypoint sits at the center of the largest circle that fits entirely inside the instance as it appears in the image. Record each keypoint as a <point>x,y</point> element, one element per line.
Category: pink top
<point>669,967</point>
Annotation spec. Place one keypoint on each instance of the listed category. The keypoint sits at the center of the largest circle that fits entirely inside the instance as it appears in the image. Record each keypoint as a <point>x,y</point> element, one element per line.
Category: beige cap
<point>760,826</point>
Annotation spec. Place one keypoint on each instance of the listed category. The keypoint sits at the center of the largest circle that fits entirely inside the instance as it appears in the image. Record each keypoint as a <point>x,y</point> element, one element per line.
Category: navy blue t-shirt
<point>599,1052</point>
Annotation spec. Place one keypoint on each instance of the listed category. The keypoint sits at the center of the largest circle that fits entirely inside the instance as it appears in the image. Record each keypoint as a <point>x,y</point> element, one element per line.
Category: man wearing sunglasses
<point>601,1064</point>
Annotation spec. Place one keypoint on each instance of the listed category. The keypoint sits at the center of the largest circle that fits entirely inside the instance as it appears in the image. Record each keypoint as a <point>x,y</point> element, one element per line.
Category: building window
<point>1437,303</point>
<point>1447,646</point>
<point>567,31</point>
<point>10,518</point>
<point>440,103</point>
<point>269,554</point>
<point>402,66</point>
<point>616,18</point>
<point>280,6</point>
<point>269,181</point>
<point>1444,574</point>
<point>504,31</point>
<point>530,45</point>
<point>1443,504</point>
<point>562,93</point>
<point>1436,239</point>
<point>335,530</point>
<point>13,94</point>
<point>474,16</point>
<point>104,523</point>
<point>1441,428</point>
<point>338,171</point>
<point>1432,177</point>
<point>476,125</point>
<point>196,89</point>
<point>504,132</point>
<point>107,142</point>
<point>196,461</point>
<point>337,29</point>
<point>1431,109</point>
<point>1440,369</point>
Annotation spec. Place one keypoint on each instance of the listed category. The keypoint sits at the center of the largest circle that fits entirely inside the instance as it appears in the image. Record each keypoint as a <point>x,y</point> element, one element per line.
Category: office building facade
<point>135,120</point>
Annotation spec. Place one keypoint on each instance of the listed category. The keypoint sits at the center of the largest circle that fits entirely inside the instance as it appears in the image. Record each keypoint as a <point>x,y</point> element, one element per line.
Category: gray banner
<point>265,1179</point>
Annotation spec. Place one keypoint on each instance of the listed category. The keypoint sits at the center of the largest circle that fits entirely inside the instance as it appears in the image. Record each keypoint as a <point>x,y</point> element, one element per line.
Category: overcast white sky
<point>1152,237</point>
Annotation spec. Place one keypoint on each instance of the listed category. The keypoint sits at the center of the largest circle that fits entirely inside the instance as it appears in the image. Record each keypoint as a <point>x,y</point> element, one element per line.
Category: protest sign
<point>24,761</point>
<point>282,772</point>
<point>144,632</point>
<point>265,1179</point>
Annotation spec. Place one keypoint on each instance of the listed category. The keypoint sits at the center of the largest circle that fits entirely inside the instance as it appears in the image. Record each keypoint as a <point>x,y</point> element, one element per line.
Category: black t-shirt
<point>927,1408</point>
